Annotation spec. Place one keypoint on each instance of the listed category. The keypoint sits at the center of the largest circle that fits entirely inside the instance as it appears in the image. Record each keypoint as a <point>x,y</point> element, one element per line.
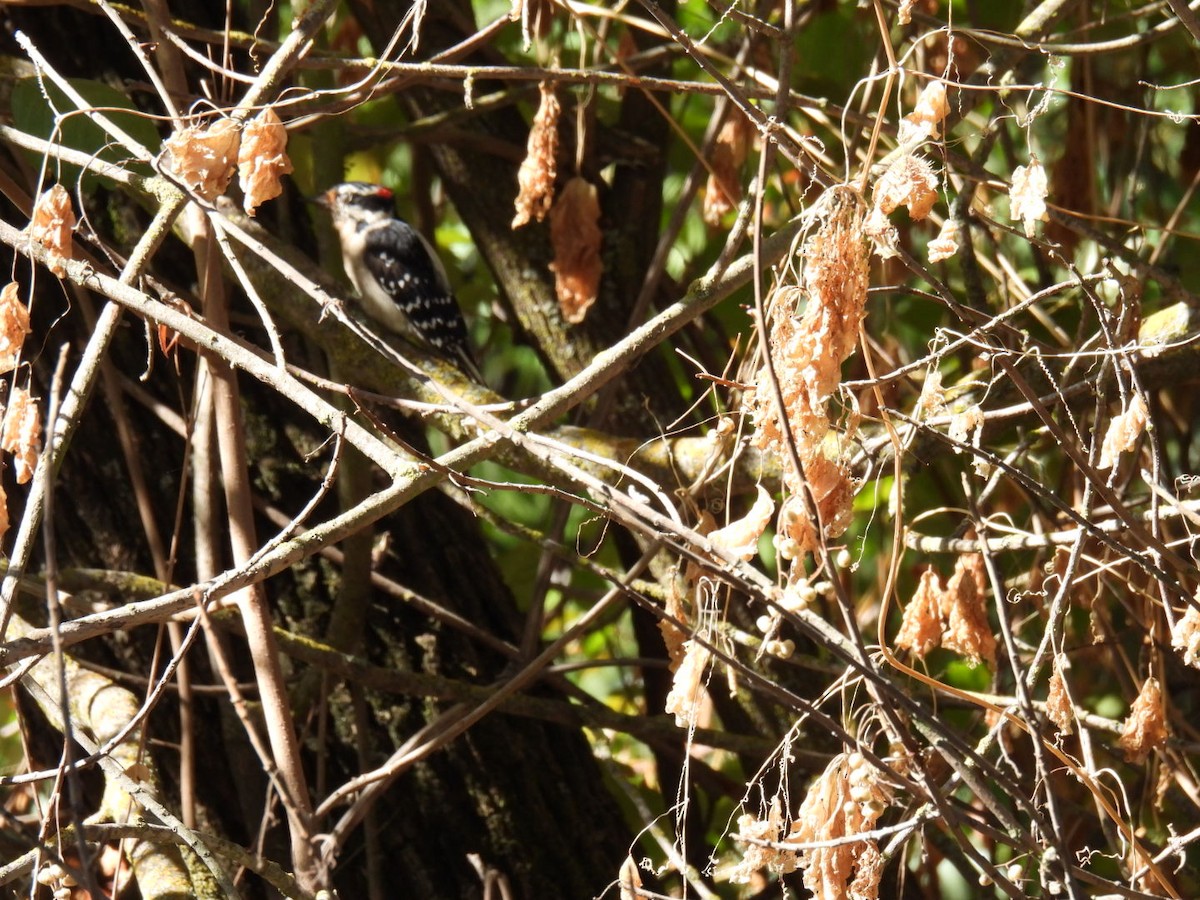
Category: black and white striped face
<point>356,204</point>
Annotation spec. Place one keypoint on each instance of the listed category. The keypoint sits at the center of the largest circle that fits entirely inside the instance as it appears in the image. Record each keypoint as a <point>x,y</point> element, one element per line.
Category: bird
<point>396,272</point>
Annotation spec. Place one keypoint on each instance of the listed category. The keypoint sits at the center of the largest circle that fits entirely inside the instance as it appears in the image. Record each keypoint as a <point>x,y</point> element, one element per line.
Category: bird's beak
<point>325,199</point>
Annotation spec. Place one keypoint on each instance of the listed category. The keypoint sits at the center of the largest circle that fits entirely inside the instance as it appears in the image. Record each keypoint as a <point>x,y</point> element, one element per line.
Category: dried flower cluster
<point>808,351</point>
<point>758,834</point>
<point>953,616</point>
<point>847,799</point>
<point>539,168</point>
<point>51,225</point>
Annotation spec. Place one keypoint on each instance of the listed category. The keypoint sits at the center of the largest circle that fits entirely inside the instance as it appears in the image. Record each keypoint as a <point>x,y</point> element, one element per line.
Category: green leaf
<point>51,116</point>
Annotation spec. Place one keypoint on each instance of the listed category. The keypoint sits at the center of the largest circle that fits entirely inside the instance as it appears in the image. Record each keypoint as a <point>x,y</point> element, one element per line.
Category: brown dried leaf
<point>170,340</point>
<point>909,181</point>
<point>4,520</point>
<point>845,800</point>
<point>1146,727</point>
<point>879,228</point>
<point>575,235</point>
<point>204,159</point>
<point>933,396</point>
<point>1186,635</point>
<point>1027,196</point>
<point>14,326</point>
<point>630,880</point>
<point>51,226</point>
<point>262,159</point>
<point>539,168</point>
<point>932,107</point>
<point>687,686</point>
<point>740,537</point>
<point>964,423</point>
<point>724,189</point>
<point>673,636</point>
<point>20,433</point>
<point>921,627</point>
<point>1058,704</point>
<point>945,245</point>
<point>1123,432</point>
<point>964,606</point>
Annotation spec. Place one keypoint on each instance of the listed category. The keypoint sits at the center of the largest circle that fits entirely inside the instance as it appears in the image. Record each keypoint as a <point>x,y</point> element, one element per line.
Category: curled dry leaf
<point>962,424</point>
<point>1146,727</point>
<point>630,880</point>
<point>933,396</point>
<point>953,615</point>
<point>1123,432</point>
<point>740,538</point>
<point>879,228</point>
<point>262,159</point>
<point>575,235</point>
<point>945,245</point>
<point>539,168</point>
<point>910,182</point>
<point>14,326</point>
<point>168,339</point>
<point>204,159</point>
<point>1058,704</point>
<point>51,226</point>
<point>964,606</point>
<point>724,189</point>
<point>20,433</point>
<point>921,627</point>
<point>1186,634</point>
<point>687,687</point>
<point>904,11</point>
<point>932,107</point>
<point>1027,196</point>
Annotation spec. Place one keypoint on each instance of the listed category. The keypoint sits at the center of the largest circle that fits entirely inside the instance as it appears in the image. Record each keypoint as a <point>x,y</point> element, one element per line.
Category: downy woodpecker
<point>396,272</point>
